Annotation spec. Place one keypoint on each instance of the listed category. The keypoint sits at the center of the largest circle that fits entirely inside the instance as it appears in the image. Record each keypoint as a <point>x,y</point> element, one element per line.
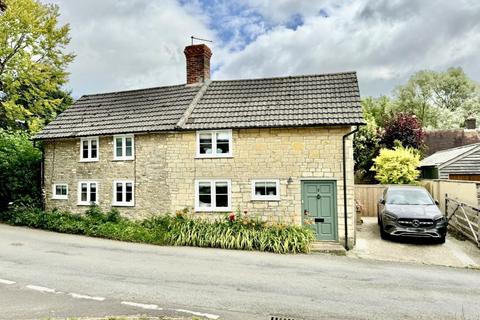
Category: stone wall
<point>165,168</point>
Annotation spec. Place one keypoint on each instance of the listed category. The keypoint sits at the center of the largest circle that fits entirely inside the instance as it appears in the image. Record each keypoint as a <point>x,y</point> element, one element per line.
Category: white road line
<point>3,281</point>
<point>142,305</point>
<point>41,289</point>
<point>200,314</point>
<point>83,296</point>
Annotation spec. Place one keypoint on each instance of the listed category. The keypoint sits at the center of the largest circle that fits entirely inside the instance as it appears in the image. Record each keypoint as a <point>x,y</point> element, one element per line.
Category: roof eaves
<point>461,156</point>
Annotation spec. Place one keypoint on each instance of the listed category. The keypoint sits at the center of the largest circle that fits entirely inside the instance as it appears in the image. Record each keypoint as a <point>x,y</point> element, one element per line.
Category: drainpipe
<point>345,185</point>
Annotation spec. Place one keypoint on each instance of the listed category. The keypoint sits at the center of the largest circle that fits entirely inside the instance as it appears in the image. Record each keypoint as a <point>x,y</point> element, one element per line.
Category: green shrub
<point>178,230</point>
<point>397,166</point>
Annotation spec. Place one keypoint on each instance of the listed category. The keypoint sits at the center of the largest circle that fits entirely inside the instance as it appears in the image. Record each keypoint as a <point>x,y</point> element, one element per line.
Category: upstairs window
<point>87,193</point>
<point>266,190</point>
<point>123,194</point>
<point>123,147</point>
<point>89,149</point>
<point>60,191</point>
<point>211,144</point>
<point>213,195</point>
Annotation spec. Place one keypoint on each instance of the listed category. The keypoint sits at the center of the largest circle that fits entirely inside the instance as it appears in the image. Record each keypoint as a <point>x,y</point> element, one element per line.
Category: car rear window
<point>408,197</point>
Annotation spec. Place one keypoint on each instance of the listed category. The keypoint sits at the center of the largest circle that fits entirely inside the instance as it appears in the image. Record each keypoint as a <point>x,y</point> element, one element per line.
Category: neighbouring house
<point>278,148</point>
<point>462,163</point>
<point>438,140</point>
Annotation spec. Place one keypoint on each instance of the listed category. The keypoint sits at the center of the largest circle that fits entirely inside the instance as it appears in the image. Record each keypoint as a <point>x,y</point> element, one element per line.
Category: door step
<point>329,247</point>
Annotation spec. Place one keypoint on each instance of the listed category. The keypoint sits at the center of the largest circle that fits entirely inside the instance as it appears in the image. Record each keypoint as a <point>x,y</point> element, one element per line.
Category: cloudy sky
<point>128,44</point>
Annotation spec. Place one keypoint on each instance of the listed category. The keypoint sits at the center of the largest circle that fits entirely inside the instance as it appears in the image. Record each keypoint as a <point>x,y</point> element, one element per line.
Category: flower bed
<point>181,229</point>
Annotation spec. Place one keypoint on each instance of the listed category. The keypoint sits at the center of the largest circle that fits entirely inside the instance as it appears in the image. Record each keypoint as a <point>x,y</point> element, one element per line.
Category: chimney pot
<point>198,63</point>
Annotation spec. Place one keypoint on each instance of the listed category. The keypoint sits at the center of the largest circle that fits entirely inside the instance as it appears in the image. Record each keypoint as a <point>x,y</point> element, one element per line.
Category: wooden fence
<point>367,197</point>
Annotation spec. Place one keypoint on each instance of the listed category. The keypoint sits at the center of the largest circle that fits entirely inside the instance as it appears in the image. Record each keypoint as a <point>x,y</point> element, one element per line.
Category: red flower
<point>231,217</point>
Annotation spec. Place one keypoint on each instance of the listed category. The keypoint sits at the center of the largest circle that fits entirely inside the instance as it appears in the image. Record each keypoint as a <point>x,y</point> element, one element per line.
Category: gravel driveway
<point>453,253</point>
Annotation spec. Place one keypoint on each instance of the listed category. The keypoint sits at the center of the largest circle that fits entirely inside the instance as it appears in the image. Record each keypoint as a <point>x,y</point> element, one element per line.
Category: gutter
<point>345,211</point>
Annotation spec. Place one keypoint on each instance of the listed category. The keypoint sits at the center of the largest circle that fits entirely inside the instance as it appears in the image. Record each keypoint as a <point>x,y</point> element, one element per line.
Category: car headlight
<point>440,220</point>
<point>389,216</point>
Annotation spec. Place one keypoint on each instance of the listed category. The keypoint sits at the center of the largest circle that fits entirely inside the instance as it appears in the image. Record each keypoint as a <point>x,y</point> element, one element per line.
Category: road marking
<point>6,281</point>
<point>142,305</point>
<point>41,289</point>
<point>83,296</point>
<point>200,314</point>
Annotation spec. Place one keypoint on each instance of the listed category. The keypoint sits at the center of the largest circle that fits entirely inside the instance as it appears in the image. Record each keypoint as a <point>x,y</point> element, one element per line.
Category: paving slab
<point>453,253</point>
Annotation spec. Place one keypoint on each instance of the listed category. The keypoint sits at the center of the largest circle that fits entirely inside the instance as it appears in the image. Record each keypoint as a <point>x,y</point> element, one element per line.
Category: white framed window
<point>213,195</point>
<point>87,193</point>
<point>60,191</point>
<point>214,144</point>
<point>266,190</point>
<point>89,149</point>
<point>123,193</point>
<point>123,147</point>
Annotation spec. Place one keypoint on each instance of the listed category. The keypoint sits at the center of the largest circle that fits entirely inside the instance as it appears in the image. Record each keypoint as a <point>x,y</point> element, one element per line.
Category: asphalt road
<point>45,274</point>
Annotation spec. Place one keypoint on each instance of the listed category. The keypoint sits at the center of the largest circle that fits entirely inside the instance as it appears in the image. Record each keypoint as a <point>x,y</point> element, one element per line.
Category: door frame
<point>335,201</point>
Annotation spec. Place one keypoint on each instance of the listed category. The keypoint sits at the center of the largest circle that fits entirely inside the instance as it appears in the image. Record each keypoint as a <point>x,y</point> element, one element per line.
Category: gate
<point>464,218</point>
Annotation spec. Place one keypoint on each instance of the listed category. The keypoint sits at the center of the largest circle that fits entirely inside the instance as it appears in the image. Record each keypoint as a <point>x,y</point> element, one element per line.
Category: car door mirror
<point>382,201</point>
<point>436,202</point>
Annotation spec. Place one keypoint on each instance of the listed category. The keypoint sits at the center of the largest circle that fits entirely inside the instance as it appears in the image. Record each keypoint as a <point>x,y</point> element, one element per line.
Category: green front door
<point>319,208</point>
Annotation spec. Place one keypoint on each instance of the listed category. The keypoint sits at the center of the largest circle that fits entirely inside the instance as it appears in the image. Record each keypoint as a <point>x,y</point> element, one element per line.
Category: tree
<point>397,166</point>
<point>438,99</point>
<point>405,128</point>
<point>365,148</point>
<point>378,109</point>
<point>32,64</point>
<point>19,169</point>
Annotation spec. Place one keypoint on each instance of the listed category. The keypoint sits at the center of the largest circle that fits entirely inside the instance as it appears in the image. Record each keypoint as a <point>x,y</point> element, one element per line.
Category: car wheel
<point>383,234</point>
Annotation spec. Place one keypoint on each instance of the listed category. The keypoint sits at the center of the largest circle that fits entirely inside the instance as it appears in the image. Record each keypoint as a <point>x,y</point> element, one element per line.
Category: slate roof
<point>328,99</point>
<point>444,156</point>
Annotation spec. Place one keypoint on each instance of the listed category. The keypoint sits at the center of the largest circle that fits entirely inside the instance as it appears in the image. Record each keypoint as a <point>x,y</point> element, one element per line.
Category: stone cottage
<point>278,148</point>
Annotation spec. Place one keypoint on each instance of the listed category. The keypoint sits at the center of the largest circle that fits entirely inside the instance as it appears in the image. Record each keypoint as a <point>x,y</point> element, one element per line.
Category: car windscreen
<point>408,197</point>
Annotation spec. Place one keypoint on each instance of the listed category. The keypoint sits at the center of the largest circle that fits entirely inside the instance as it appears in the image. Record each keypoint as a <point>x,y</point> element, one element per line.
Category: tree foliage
<point>439,99</point>
<point>397,166</point>
<point>365,148</point>
<point>405,128</point>
<point>32,64</point>
<point>19,169</point>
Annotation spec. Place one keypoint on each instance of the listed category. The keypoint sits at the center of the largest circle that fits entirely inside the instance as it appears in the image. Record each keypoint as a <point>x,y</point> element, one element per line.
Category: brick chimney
<point>471,123</point>
<point>198,63</point>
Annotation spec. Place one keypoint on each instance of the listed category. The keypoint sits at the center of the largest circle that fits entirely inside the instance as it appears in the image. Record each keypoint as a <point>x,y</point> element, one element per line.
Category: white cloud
<point>385,41</point>
<point>128,44</point>
<point>124,44</point>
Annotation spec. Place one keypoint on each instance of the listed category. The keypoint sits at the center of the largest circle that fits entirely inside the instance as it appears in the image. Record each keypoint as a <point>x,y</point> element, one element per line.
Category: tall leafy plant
<point>405,128</point>
<point>397,166</point>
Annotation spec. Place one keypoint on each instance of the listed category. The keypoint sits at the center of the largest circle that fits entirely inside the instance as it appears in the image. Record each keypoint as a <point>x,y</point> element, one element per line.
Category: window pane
<point>128,147</point>
<point>128,192</point>
<point>223,142</point>
<point>119,192</point>
<point>205,143</point>
<point>94,148</point>
<point>118,147</point>
<point>85,149</point>
<point>204,188</point>
<point>260,189</point>
<point>83,192</point>
<point>204,192</point>
<point>221,188</point>
<point>271,188</point>
<point>222,200</point>
<point>58,190</point>
<point>205,201</point>
<point>93,192</point>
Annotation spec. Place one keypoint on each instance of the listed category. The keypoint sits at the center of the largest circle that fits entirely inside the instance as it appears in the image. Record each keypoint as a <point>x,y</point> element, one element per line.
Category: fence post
<point>446,205</point>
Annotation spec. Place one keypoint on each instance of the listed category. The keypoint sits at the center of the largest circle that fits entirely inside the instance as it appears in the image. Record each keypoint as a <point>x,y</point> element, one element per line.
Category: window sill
<point>88,160</point>
<point>213,157</point>
<point>266,199</point>
<point>59,198</point>
<point>116,204</point>
<point>126,159</point>
<point>214,210</point>
<point>86,203</point>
